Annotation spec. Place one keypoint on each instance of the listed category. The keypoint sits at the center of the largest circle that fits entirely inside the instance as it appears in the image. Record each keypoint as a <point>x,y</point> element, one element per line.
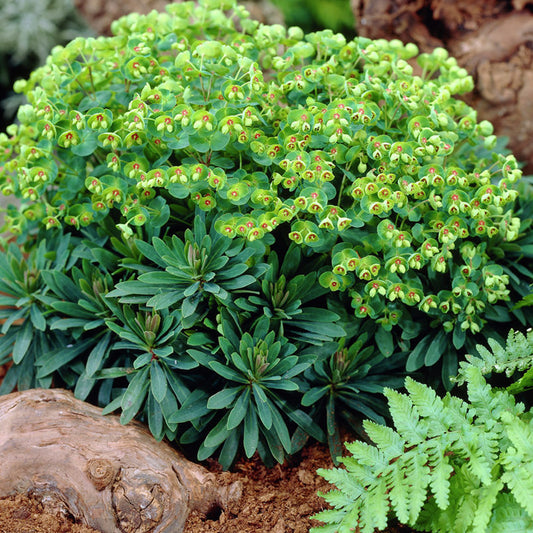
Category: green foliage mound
<point>449,464</point>
<point>244,230</point>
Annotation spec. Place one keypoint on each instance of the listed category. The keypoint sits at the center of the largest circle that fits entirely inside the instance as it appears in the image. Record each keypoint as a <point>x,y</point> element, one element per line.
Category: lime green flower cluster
<point>218,171</point>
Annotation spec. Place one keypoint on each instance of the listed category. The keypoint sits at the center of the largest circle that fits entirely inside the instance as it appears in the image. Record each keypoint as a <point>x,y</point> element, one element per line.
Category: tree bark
<point>111,477</point>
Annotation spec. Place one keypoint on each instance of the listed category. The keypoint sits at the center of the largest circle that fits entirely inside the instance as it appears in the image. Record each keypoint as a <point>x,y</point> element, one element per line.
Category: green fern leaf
<point>487,496</point>
<point>374,513</point>
<point>418,474</point>
<point>465,512</point>
<point>449,465</point>
<point>367,455</point>
<point>517,354</point>
<point>345,481</point>
<point>338,499</point>
<point>405,416</point>
<point>441,470</point>
<point>424,398</point>
<point>520,434</point>
<point>520,482</point>
<point>330,516</point>
<point>385,438</point>
<point>525,383</point>
<point>509,516</point>
<point>396,480</point>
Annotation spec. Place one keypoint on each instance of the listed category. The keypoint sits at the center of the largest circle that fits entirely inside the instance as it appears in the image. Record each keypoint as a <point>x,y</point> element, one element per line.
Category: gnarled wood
<point>111,477</point>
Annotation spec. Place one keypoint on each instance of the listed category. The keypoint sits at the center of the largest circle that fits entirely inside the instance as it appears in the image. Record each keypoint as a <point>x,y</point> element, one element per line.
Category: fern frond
<point>395,481</point>
<point>520,434</point>
<point>337,498</point>
<point>428,405</point>
<point>374,512</point>
<point>525,383</point>
<point>441,471</point>
<point>385,438</point>
<point>330,516</point>
<point>346,482</point>
<point>365,455</point>
<point>477,464</point>
<point>418,475</point>
<point>520,483</point>
<point>448,465</point>
<point>486,496</point>
<point>516,355</point>
<point>463,503</point>
<point>509,516</point>
<point>405,416</point>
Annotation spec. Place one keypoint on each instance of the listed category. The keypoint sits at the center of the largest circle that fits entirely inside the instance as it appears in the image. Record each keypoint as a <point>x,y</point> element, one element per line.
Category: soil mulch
<point>24,514</point>
<point>275,500</point>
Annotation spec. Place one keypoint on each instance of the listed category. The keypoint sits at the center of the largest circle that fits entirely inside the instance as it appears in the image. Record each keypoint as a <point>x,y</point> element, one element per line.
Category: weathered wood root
<point>111,477</point>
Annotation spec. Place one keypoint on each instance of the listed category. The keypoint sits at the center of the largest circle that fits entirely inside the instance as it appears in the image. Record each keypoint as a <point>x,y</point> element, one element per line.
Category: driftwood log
<point>111,477</point>
<point>492,39</point>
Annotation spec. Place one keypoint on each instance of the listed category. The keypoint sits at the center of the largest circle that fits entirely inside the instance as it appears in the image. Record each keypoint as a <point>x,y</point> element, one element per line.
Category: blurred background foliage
<point>29,29</point>
<point>312,15</point>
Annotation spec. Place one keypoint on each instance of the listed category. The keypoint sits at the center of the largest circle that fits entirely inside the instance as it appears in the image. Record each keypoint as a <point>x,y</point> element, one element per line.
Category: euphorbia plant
<point>208,177</point>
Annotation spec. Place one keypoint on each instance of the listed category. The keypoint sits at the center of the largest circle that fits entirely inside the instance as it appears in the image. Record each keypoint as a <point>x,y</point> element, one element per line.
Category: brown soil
<point>24,514</point>
<point>275,500</point>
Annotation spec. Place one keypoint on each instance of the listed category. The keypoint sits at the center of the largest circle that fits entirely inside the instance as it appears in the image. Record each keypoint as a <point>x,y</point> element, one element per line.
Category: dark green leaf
<point>263,410</point>
<point>239,283</point>
<point>164,300</point>
<point>218,434</point>
<point>224,398</point>
<point>188,307</point>
<point>37,317</point>
<point>416,358</point>
<point>240,409</point>
<point>227,372</point>
<point>281,429</point>
<point>229,449</point>
<point>55,359</point>
<point>436,348</point>
<point>274,445</point>
<point>251,433</point>
<point>384,341</point>
<point>459,336</point>
<point>191,411</point>
<point>84,386</point>
<point>134,395</point>
<point>158,381</point>
<point>22,342</point>
<point>313,395</point>
<point>155,417</point>
<point>88,144</point>
<point>449,367</point>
